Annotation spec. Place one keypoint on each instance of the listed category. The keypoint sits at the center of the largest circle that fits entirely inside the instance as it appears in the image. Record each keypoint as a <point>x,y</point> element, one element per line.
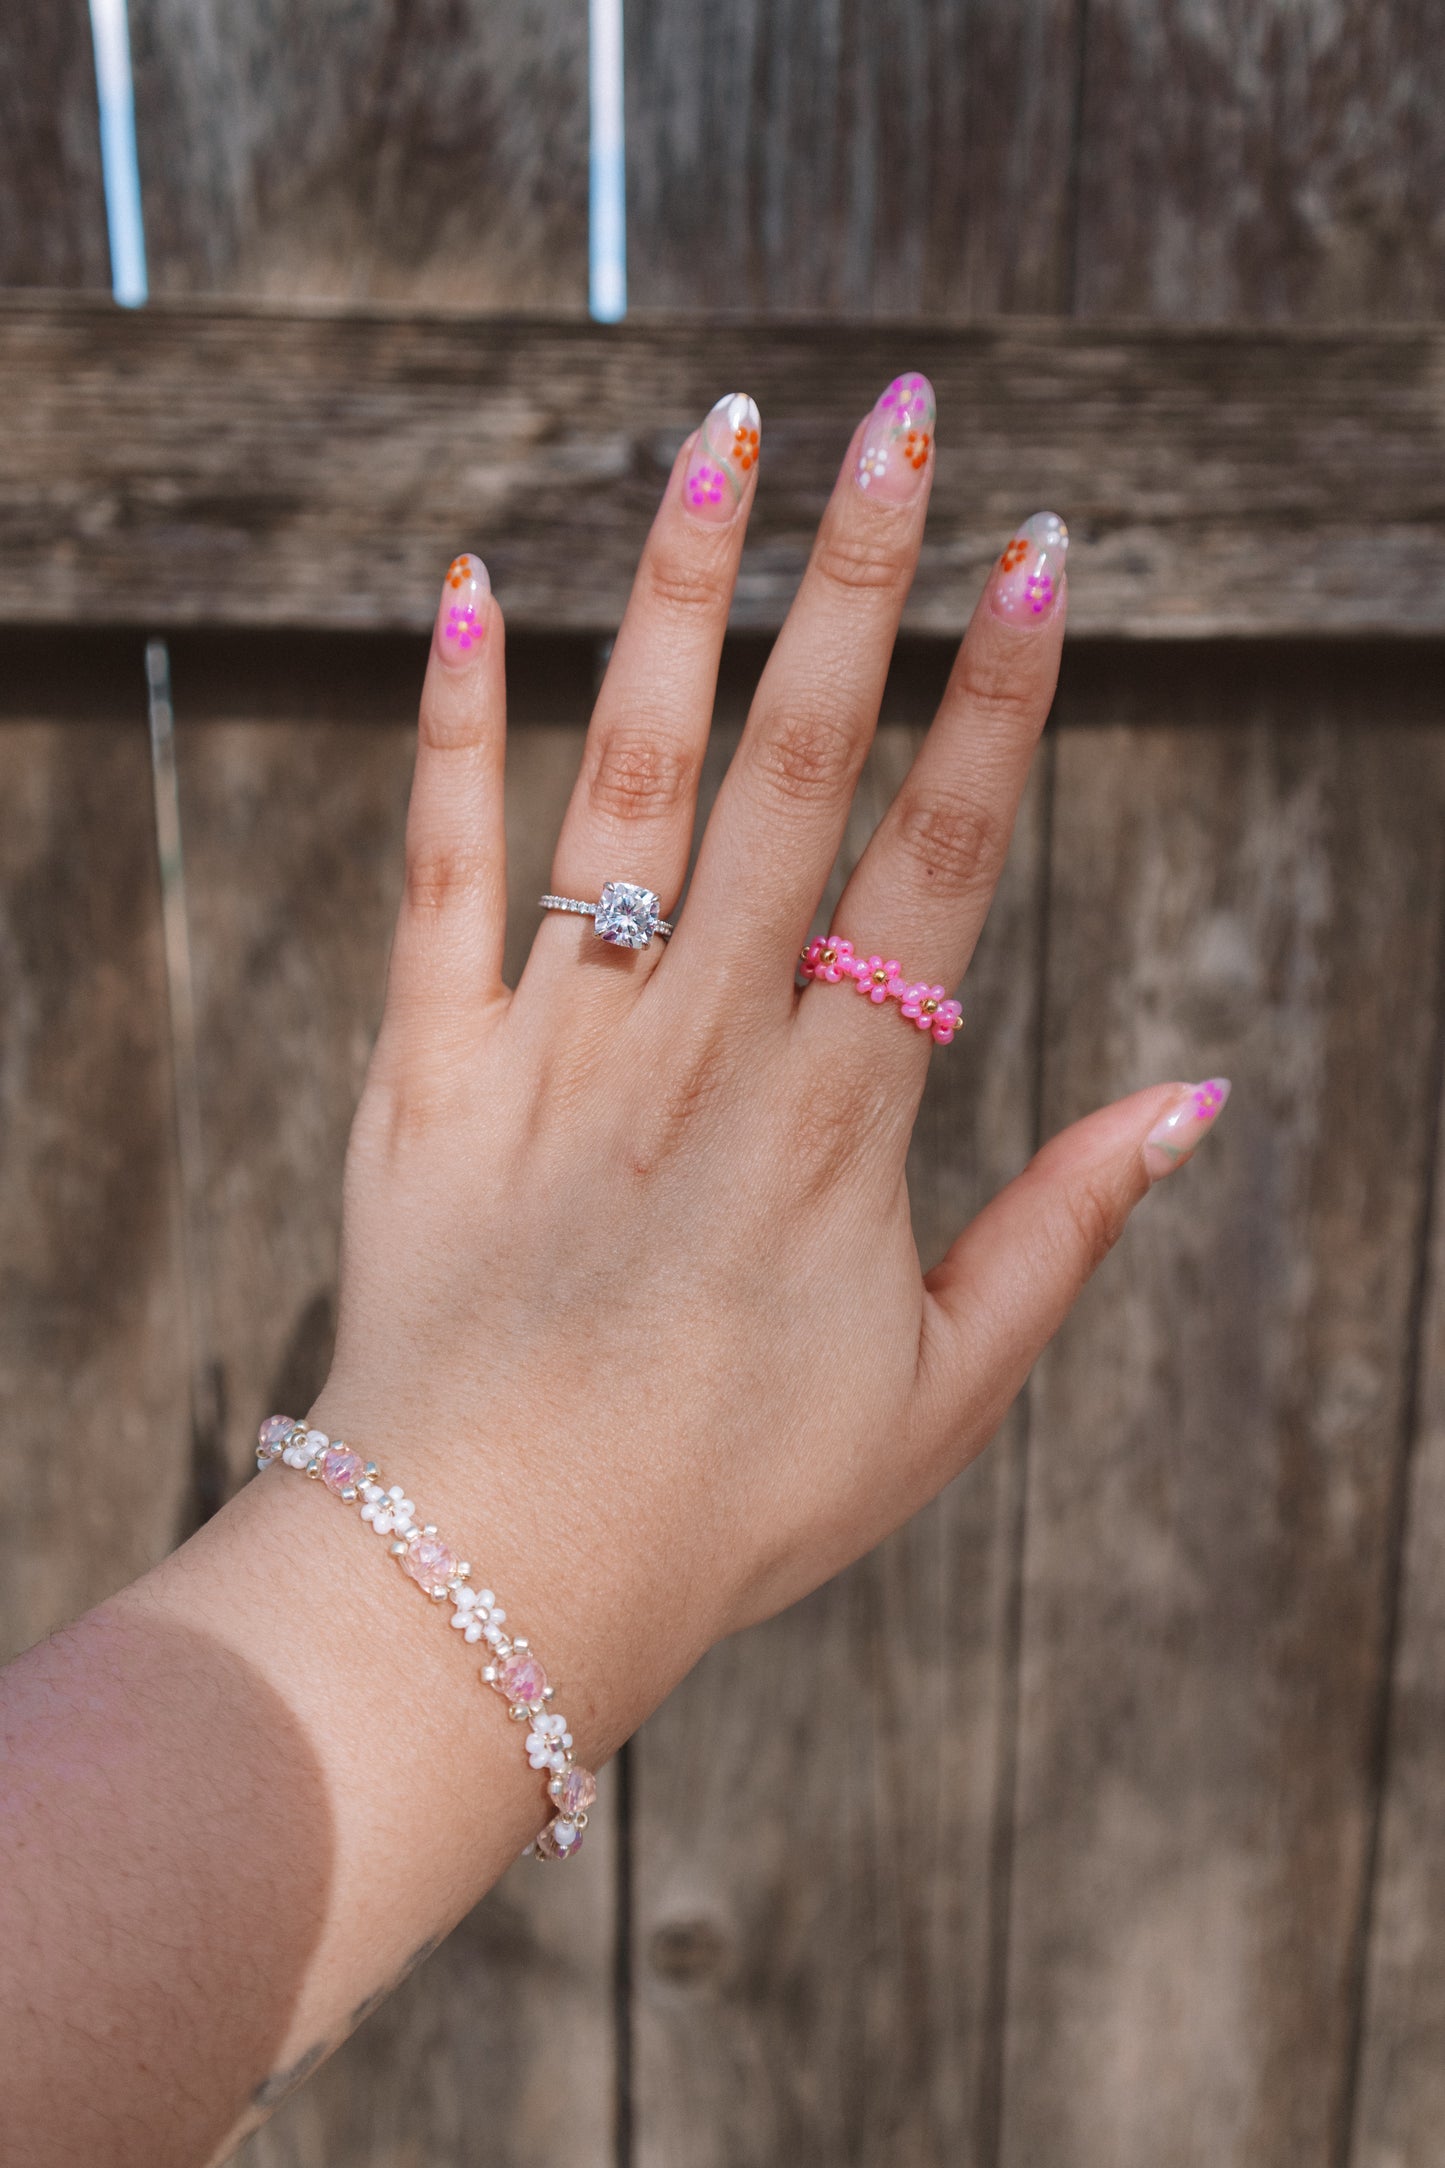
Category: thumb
<point>1013,1275</point>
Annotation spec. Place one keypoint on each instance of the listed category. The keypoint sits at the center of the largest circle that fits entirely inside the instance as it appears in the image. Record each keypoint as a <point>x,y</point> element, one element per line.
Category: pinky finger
<point>1015,1272</point>
<point>446,957</point>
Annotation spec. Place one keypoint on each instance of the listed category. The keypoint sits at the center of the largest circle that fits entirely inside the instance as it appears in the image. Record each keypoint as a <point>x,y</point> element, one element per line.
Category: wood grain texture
<point>816,1805</point>
<point>874,160</point>
<point>1255,159</point>
<point>1217,1435</point>
<point>52,205</point>
<point>213,465</point>
<point>400,150</point>
<point>289,975</point>
<point>1400,2109</point>
<point>94,1420</point>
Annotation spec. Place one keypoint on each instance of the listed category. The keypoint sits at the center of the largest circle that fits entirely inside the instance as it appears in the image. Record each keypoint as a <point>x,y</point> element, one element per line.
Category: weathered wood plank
<point>1216,1437</point>
<point>399,150</point>
<point>878,160</point>
<point>1272,162</point>
<point>1400,2109</point>
<point>94,1429</point>
<point>815,1949</point>
<point>230,467</point>
<point>52,204</point>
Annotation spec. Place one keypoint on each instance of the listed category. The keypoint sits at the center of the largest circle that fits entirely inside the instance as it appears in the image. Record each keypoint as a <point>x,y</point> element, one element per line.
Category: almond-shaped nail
<point>897,445</point>
<point>1025,582</point>
<point>462,611</point>
<point>1188,1122</point>
<point>723,457</point>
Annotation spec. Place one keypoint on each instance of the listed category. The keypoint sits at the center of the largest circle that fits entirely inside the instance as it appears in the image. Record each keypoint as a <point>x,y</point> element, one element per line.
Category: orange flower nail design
<point>1015,554</point>
<point>460,572</point>
<point>745,446</point>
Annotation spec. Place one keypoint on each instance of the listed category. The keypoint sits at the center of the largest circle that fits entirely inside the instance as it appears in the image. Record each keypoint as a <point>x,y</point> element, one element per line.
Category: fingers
<point>1012,1277</point>
<point>446,957</point>
<point>775,830</point>
<point>631,814</point>
<point>921,891</point>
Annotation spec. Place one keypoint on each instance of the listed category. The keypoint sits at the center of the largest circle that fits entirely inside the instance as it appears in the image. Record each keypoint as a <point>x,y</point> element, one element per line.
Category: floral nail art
<point>462,616</point>
<point>898,440</point>
<point>1188,1122</point>
<point>1027,578</point>
<point>723,457</point>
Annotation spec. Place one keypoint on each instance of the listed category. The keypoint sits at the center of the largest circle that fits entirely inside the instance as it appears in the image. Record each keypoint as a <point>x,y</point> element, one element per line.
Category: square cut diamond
<point>627,914</point>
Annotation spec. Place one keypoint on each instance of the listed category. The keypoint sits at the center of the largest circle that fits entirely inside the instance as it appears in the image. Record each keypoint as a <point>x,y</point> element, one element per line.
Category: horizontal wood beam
<point>214,464</point>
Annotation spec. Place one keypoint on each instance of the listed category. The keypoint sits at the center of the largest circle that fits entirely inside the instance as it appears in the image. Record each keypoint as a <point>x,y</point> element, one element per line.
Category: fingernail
<point>462,612</point>
<point>1171,1141</point>
<point>897,445</point>
<point>723,457</point>
<point>1027,578</point>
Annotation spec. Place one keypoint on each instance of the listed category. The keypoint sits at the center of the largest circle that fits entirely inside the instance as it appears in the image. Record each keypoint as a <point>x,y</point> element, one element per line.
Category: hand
<point>629,1292</point>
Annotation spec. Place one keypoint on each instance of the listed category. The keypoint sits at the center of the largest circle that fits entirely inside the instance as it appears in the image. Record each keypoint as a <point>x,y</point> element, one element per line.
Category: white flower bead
<point>388,1510</point>
<point>472,1612</point>
<point>547,1742</point>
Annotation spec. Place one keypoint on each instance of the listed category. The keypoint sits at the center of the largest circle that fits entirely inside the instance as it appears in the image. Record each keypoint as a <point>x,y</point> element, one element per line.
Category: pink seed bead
<point>340,1468</point>
<point>577,1791</point>
<point>430,1562</point>
<point>274,1432</point>
<point>522,1678</point>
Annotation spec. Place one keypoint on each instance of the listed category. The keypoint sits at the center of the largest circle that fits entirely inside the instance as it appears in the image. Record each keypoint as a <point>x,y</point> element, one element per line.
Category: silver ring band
<point>626,913</point>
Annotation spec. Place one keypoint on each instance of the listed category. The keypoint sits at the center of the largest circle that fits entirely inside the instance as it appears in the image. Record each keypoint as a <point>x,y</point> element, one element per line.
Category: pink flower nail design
<point>724,455</point>
<point>897,440</point>
<point>462,615</point>
<point>1025,582</point>
<point>1177,1134</point>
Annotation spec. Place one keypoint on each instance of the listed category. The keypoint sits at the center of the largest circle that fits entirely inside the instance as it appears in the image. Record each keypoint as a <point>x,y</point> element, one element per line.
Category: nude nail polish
<point>1171,1141</point>
<point>721,460</point>
<point>462,611</point>
<point>1026,581</point>
<point>897,447</point>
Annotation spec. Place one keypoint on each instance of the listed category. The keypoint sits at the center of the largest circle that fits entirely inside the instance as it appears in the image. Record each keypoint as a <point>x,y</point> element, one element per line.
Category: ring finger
<point>920,893</point>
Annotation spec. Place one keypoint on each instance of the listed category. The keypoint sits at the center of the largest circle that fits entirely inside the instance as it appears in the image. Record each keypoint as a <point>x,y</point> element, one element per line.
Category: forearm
<point>243,1797</point>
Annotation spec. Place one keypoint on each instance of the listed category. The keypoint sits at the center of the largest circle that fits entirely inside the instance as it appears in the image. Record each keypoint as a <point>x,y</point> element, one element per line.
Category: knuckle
<point>638,775</point>
<point>683,586</point>
<point>857,563</point>
<point>1095,1218</point>
<point>807,753</point>
<point>998,693</point>
<point>956,843</point>
<point>437,876</point>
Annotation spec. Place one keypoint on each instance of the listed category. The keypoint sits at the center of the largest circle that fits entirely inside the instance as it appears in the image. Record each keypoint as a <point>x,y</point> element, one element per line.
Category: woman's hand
<point>628,1277</point>
<point>629,1302</point>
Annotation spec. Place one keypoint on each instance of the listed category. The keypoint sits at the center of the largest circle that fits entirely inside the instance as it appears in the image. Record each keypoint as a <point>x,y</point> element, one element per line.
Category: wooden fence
<point>1163,1885</point>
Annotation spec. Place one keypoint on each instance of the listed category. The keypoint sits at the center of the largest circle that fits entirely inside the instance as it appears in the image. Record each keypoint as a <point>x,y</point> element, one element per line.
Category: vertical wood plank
<point>1263,161</point>
<point>431,151</point>
<point>294,851</point>
<point>814,1944</point>
<point>874,159</point>
<point>94,1435</point>
<point>52,204</point>
<point>1400,2110</point>
<point>1217,1434</point>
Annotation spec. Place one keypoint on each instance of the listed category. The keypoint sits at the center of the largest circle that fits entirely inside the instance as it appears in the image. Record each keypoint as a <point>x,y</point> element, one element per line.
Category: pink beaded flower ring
<point>831,959</point>
<point>511,1669</point>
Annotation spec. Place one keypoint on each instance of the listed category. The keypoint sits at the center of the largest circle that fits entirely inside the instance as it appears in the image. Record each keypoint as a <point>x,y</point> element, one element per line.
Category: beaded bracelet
<point>511,1670</point>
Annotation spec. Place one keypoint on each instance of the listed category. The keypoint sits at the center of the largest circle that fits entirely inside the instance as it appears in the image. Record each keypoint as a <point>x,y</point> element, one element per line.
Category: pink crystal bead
<point>522,1678</point>
<point>273,1433</point>
<point>340,1468</point>
<point>430,1562</point>
<point>576,1791</point>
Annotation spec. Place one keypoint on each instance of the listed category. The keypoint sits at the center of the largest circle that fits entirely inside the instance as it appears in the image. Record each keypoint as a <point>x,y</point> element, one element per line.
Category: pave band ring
<point>625,914</point>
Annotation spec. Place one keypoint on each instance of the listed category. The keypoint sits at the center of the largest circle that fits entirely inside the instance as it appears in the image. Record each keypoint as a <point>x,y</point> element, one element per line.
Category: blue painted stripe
<point>110,35</point>
<point>607,221</point>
